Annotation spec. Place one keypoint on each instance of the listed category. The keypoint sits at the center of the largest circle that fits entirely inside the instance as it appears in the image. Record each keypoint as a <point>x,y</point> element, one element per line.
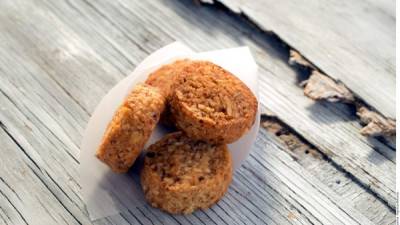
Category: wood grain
<point>352,42</point>
<point>57,60</point>
<point>23,193</point>
<point>327,172</point>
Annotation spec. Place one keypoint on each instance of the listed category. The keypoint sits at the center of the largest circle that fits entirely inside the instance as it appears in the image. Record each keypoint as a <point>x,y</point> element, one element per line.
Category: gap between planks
<point>350,42</point>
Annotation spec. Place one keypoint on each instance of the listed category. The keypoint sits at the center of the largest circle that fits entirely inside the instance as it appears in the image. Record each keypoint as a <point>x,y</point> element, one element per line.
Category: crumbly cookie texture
<point>164,77</point>
<point>131,127</point>
<point>181,175</point>
<point>209,103</point>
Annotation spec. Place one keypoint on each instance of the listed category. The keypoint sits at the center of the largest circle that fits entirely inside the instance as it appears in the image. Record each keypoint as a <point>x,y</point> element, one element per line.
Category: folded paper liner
<point>106,193</point>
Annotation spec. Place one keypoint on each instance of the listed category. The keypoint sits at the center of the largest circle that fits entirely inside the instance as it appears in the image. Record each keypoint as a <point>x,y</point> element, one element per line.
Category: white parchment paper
<point>106,193</point>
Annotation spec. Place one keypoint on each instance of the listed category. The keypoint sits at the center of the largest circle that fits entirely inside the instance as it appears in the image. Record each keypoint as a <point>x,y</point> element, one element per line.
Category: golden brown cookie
<point>209,103</point>
<point>181,175</point>
<point>131,127</point>
<point>164,77</point>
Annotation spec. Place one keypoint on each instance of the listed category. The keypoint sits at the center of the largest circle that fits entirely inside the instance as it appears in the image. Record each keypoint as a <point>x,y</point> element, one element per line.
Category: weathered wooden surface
<point>57,59</point>
<point>351,41</point>
<point>334,138</point>
<point>327,172</point>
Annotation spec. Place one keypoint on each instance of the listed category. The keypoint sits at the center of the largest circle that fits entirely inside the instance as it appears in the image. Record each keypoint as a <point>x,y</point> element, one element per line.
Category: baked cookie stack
<point>192,168</point>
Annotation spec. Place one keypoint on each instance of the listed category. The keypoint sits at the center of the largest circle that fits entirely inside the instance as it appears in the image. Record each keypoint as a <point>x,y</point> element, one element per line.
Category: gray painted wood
<point>351,41</point>
<point>55,69</point>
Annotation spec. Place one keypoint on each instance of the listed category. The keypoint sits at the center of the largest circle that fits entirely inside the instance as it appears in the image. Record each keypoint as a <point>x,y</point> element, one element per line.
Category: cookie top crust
<point>213,94</point>
<point>179,162</point>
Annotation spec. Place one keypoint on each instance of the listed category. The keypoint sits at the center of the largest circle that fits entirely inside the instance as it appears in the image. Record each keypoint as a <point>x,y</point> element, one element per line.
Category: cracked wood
<point>55,71</point>
<point>352,42</point>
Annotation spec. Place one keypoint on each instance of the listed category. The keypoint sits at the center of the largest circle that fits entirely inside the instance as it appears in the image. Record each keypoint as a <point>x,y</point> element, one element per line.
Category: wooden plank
<point>205,39</point>
<point>348,149</point>
<point>331,128</point>
<point>260,193</point>
<point>352,42</point>
<point>40,82</point>
<point>62,48</point>
<point>237,203</point>
<point>243,197</point>
<point>327,173</point>
<point>292,174</point>
<point>37,138</point>
<point>23,195</point>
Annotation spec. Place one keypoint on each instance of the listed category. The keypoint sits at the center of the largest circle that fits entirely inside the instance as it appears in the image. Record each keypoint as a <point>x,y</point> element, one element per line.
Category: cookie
<point>181,175</point>
<point>164,77</point>
<point>211,104</point>
<point>131,127</point>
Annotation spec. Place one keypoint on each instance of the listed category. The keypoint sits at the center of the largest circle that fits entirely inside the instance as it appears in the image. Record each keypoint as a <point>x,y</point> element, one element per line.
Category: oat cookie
<point>209,103</point>
<point>164,77</point>
<point>181,175</point>
<point>131,127</point>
